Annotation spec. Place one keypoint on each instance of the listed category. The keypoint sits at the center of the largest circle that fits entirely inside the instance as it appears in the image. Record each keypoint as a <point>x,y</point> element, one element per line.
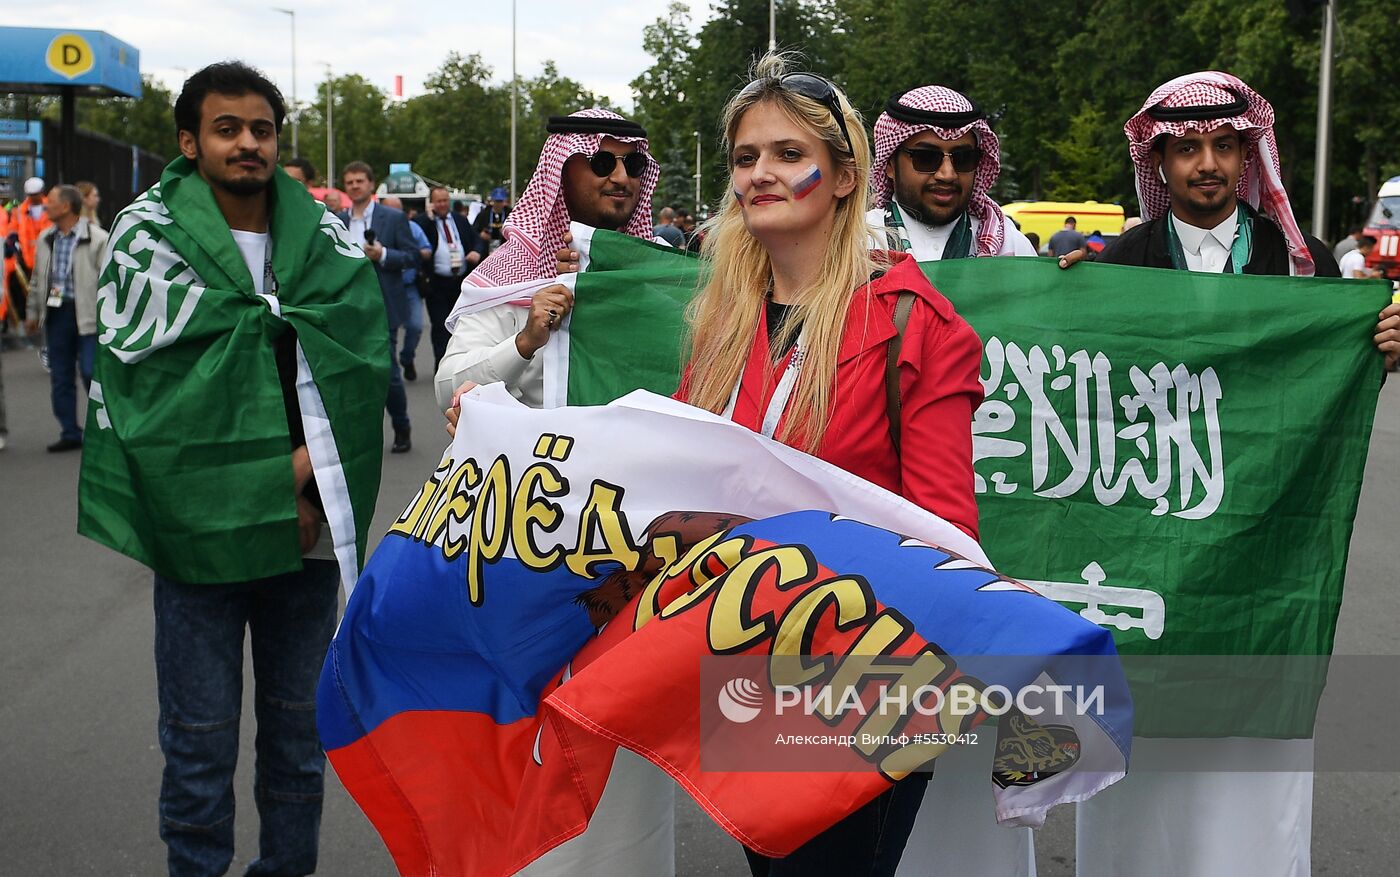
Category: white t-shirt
<point>1351,262</point>
<point>927,241</point>
<point>254,248</point>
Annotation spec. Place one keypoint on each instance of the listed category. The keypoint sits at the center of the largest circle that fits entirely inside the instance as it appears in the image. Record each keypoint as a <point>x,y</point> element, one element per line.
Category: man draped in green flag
<point>234,447</point>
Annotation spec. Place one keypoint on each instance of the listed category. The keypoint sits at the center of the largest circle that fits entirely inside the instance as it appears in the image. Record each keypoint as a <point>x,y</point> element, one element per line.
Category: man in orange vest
<point>28,219</point>
<point>4,268</point>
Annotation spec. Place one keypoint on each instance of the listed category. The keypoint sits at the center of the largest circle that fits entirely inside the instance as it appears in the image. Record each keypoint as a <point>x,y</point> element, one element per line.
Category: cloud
<point>599,46</point>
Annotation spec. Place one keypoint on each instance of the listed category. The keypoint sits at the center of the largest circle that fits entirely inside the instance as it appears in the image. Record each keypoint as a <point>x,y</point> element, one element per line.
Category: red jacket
<point>939,389</point>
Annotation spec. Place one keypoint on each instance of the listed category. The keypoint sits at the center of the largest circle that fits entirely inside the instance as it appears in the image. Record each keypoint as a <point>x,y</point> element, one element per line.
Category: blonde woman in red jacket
<point>790,335</point>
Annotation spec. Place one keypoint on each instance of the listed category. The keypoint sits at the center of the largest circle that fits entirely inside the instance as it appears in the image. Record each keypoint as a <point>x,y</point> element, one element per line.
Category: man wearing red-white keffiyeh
<point>935,160</point>
<point>1207,170</point>
<point>595,169</point>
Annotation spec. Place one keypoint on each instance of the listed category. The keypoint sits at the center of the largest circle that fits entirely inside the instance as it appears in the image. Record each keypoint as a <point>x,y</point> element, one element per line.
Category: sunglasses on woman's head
<point>818,89</point>
<point>603,162</point>
<point>929,159</point>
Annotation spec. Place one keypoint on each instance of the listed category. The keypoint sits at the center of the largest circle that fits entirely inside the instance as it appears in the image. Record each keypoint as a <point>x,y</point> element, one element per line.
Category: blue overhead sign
<point>43,60</point>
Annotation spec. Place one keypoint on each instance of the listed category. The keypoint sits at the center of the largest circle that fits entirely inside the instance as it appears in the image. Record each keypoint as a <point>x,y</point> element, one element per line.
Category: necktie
<point>447,231</point>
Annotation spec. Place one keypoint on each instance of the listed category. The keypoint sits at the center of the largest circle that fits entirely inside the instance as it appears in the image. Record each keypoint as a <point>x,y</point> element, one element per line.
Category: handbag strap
<point>902,308</point>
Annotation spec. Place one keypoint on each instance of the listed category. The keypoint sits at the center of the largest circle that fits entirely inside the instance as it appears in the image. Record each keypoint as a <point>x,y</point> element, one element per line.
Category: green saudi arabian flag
<point>187,456</point>
<point>1176,456</point>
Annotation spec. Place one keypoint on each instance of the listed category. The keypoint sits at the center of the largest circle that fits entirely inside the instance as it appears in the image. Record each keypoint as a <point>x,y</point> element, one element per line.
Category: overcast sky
<point>598,44</point>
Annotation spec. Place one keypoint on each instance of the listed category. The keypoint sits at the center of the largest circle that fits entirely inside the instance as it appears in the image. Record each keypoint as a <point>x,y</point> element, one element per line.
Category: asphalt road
<point>79,766</point>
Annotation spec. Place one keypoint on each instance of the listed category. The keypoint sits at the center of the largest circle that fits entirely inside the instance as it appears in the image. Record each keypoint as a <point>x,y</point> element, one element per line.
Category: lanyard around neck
<point>781,394</point>
<point>1239,249</point>
<point>957,246</point>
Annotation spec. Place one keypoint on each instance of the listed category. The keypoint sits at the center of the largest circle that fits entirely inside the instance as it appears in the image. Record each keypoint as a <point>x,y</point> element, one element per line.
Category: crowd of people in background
<point>818,217</point>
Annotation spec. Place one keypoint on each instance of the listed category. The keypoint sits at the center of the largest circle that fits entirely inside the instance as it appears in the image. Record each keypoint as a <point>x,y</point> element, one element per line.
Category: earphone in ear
<point>1161,174</point>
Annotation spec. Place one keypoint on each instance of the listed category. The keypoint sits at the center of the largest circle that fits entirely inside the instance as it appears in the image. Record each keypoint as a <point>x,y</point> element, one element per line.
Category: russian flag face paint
<point>738,196</point>
<point>806,182</point>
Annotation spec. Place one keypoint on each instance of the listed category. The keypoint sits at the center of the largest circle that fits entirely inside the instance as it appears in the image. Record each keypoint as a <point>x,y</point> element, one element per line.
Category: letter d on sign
<point>69,55</point>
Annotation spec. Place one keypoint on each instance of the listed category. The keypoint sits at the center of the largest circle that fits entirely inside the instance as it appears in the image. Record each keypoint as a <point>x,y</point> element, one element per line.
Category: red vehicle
<point>1384,226</point>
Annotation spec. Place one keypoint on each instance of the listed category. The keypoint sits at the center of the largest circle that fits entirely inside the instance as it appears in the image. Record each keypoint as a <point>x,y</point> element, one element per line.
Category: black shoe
<point>402,443</point>
<point>409,372</point>
<point>66,445</point>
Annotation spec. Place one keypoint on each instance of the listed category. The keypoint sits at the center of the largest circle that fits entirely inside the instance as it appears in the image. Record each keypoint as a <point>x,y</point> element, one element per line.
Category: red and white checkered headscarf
<point>1260,186</point>
<point>535,230</point>
<point>890,134</point>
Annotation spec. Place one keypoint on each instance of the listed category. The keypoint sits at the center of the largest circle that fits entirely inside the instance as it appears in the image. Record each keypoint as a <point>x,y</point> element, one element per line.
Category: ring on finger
<point>553,317</point>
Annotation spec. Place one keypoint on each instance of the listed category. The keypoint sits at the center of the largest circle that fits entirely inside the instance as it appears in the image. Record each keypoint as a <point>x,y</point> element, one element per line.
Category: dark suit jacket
<point>1147,246</point>
<point>470,242</point>
<point>401,251</point>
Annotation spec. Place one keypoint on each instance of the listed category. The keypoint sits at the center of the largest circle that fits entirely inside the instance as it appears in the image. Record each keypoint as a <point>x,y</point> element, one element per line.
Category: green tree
<point>1084,168</point>
<point>147,121</point>
<point>719,64</point>
<point>1366,123</point>
<point>363,122</point>
<point>548,94</point>
<point>459,131</point>
<point>662,105</point>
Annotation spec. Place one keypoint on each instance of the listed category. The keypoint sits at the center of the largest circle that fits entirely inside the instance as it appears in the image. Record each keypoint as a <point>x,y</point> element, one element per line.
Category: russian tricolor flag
<point>473,708</point>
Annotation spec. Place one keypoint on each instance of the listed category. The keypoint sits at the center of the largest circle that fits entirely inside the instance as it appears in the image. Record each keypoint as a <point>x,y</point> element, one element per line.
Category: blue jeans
<point>412,324</point>
<point>199,682</point>
<point>397,403</point>
<point>67,349</point>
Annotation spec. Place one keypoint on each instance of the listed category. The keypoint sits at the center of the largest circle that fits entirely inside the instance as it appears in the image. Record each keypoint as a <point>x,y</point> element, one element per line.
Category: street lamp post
<point>1324,122</point>
<point>772,25</point>
<point>330,125</point>
<point>295,123</point>
<point>697,173</point>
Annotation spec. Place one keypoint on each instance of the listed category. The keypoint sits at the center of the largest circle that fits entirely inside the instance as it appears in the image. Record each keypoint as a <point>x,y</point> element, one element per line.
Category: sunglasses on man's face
<point>603,162</point>
<point>929,159</point>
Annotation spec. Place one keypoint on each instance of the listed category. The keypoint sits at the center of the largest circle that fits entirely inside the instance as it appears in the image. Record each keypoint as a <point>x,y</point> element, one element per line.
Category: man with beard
<point>594,169</point>
<point>935,160</point>
<point>1207,171</point>
<point>235,450</point>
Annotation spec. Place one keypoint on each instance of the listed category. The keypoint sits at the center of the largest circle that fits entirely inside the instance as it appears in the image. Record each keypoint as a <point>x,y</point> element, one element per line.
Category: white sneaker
<point>44,357</point>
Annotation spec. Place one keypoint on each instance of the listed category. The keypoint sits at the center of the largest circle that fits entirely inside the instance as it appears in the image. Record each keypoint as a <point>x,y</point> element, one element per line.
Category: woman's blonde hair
<point>85,188</point>
<point>724,316</point>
